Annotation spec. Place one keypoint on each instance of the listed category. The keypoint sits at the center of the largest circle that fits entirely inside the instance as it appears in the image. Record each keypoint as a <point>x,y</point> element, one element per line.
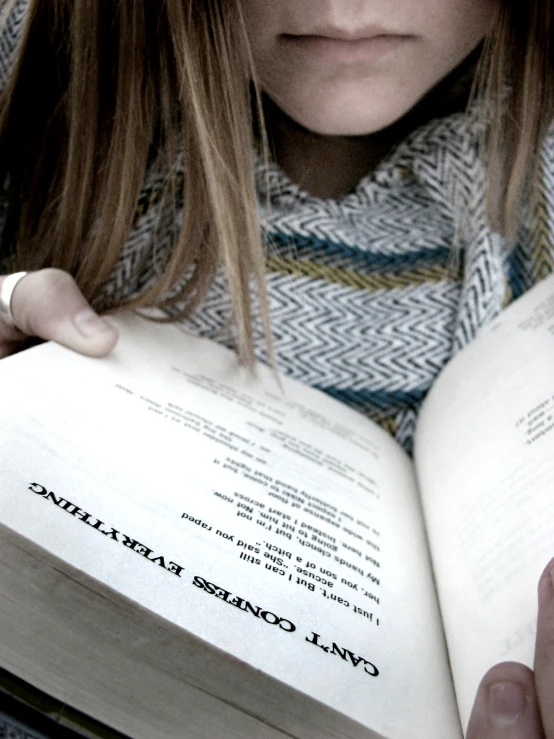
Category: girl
<point>383,254</point>
<point>141,144</point>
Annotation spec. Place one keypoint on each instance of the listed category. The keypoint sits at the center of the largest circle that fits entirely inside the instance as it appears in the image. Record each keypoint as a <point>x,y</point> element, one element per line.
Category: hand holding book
<point>49,305</point>
<point>513,702</point>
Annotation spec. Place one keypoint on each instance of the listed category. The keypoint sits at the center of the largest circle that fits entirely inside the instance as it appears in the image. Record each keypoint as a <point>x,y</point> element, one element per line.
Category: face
<point>353,67</point>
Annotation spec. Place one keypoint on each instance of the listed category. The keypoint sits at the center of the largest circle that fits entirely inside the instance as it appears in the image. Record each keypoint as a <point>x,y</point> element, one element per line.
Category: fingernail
<point>89,323</point>
<point>507,704</point>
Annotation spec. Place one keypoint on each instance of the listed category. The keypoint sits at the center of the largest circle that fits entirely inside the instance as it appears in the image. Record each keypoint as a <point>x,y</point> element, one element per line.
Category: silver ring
<point>6,292</point>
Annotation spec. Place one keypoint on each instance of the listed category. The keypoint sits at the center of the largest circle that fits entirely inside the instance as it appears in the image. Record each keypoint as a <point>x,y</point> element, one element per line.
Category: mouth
<point>345,34</point>
<point>337,46</point>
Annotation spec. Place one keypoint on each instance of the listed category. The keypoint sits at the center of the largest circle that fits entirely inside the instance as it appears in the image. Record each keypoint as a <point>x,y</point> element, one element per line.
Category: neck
<point>325,166</point>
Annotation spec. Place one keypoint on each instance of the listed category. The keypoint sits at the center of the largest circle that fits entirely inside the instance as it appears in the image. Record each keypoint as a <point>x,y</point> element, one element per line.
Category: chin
<point>338,117</point>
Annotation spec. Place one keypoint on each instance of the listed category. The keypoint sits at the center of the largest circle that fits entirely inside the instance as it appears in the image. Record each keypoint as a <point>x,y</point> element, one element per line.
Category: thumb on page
<point>506,706</point>
<point>49,305</point>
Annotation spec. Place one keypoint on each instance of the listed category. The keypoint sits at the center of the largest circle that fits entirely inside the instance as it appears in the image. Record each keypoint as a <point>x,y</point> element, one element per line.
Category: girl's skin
<point>338,74</point>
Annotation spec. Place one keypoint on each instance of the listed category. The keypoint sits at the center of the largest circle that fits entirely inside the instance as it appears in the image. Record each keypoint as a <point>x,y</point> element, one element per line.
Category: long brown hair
<point>103,91</point>
<point>516,83</point>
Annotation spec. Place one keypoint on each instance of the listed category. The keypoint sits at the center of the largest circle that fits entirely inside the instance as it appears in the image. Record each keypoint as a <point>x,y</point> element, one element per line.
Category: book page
<point>485,460</point>
<point>274,523</point>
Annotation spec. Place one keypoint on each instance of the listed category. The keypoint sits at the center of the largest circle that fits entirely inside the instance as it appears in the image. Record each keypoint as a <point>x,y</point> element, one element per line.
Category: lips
<point>344,34</point>
<point>333,45</point>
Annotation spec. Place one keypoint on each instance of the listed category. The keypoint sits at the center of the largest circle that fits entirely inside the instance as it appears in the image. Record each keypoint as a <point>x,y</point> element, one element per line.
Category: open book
<point>187,551</point>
